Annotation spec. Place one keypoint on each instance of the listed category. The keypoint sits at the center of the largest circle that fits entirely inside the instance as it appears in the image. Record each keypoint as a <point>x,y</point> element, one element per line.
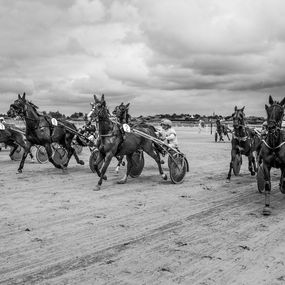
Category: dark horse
<point>221,130</point>
<point>13,138</point>
<point>122,113</point>
<point>41,131</point>
<point>115,143</point>
<point>272,150</point>
<point>244,142</point>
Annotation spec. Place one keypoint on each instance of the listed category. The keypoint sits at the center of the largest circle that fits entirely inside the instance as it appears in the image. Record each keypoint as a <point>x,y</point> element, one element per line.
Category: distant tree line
<point>174,117</point>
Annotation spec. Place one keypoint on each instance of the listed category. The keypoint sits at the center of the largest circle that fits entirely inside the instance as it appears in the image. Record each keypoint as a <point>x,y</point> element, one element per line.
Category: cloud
<point>161,56</point>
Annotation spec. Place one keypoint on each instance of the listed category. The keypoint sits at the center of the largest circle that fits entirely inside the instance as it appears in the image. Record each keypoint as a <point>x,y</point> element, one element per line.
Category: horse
<point>221,130</point>
<point>115,143</point>
<point>272,150</point>
<point>41,131</point>
<point>244,142</point>
<point>122,113</point>
<point>13,138</point>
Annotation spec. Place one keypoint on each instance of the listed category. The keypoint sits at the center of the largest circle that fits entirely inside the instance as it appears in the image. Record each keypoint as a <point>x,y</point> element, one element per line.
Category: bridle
<point>274,125</point>
<point>100,113</point>
<point>238,123</point>
<point>121,113</point>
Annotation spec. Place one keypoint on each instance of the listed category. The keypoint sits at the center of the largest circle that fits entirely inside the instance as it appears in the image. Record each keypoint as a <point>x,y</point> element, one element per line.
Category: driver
<point>89,131</point>
<point>168,133</point>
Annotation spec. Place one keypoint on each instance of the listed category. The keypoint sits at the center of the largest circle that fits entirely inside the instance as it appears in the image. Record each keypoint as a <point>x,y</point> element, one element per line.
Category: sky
<point>161,56</point>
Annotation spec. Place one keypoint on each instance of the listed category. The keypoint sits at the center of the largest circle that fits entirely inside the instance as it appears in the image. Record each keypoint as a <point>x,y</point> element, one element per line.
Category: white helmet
<point>264,123</point>
<point>166,122</point>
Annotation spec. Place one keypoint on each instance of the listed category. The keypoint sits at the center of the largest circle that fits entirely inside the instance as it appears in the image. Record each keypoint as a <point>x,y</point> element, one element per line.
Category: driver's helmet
<point>264,124</point>
<point>166,122</point>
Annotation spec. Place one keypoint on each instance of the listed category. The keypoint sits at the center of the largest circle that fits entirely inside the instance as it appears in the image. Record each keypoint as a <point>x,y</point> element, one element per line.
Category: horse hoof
<point>252,173</point>
<point>64,169</point>
<point>97,188</point>
<point>228,180</point>
<point>121,181</point>
<point>19,171</point>
<point>81,162</point>
<point>266,211</point>
<point>164,176</point>
<point>105,177</point>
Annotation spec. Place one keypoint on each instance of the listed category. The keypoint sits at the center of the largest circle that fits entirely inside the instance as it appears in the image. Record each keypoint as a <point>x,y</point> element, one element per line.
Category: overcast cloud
<point>162,56</point>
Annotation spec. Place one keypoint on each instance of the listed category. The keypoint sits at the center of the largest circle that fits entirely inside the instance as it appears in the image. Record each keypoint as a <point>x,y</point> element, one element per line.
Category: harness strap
<point>273,148</point>
<point>240,138</point>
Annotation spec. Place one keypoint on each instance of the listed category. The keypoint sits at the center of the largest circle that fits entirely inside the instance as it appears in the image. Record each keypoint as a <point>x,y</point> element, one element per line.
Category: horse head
<point>275,113</point>
<point>18,108</point>
<point>122,112</point>
<point>21,106</point>
<point>238,117</point>
<point>99,109</point>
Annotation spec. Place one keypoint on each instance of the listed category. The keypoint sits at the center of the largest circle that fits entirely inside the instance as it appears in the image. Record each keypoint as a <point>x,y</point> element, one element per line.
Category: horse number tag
<point>126,128</point>
<point>54,121</point>
<point>2,127</point>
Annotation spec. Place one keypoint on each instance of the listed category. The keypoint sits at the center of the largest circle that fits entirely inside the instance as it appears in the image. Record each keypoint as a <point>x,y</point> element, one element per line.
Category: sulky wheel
<point>282,185</point>
<point>260,179</point>
<point>138,164</point>
<point>59,155</point>
<point>178,166</point>
<point>237,164</point>
<point>41,154</point>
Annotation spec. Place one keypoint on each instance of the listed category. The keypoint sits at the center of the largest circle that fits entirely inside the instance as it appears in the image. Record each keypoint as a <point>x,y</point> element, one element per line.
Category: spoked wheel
<point>59,154</point>
<point>92,160</point>
<point>237,162</point>
<point>282,185</point>
<point>138,164</point>
<point>18,154</point>
<point>41,154</point>
<point>178,166</point>
<point>260,179</point>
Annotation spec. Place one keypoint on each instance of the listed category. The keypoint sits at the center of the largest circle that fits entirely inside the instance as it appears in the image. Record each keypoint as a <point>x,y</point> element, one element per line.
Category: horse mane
<point>33,105</point>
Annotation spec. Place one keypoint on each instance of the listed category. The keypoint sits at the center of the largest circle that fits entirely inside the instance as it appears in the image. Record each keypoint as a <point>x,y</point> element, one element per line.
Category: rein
<point>111,134</point>
<point>274,131</point>
<point>240,138</point>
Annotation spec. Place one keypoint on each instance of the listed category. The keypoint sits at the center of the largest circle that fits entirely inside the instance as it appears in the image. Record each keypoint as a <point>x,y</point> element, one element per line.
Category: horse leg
<point>49,153</point>
<point>233,155</point>
<point>129,167</point>
<point>120,161</point>
<point>98,161</point>
<point>155,155</point>
<point>13,149</point>
<point>266,171</point>
<point>79,161</point>
<point>108,159</point>
<point>27,150</point>
<point>251,164</point>
<point>71,151</point>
